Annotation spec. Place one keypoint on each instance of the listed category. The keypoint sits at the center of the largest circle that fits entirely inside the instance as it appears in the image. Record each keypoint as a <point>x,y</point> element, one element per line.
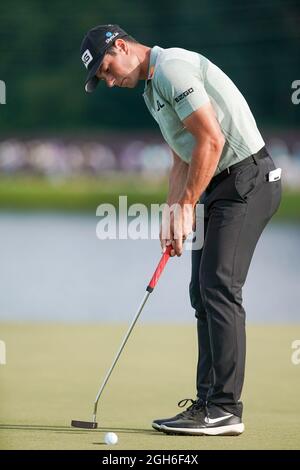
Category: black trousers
<point>236,210</point>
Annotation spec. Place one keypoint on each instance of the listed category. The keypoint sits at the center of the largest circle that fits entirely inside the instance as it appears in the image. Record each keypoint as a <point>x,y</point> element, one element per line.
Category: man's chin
<point>131,85</point>
<point>127,83</point>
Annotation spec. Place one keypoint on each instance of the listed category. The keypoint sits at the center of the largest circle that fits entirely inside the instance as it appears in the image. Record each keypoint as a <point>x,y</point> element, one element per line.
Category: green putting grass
<point>53,373</point>
<point>86,194</point>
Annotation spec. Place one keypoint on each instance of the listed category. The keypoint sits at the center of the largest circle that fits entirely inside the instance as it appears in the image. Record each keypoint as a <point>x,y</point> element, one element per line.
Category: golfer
<point>220,160</point>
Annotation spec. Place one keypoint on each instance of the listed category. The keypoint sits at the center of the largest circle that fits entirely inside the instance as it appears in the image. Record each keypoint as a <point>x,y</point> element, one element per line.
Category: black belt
<point>262,153</point>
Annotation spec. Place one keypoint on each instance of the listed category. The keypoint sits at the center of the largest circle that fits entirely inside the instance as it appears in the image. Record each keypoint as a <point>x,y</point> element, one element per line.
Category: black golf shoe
<point>185,415</point>
<point>210,421</point>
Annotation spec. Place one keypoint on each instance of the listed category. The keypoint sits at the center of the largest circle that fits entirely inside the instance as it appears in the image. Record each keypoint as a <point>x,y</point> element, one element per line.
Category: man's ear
<point>121,45</point>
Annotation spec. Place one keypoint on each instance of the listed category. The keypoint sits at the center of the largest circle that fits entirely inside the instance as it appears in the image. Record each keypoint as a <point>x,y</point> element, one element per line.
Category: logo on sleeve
<point>184,94</point>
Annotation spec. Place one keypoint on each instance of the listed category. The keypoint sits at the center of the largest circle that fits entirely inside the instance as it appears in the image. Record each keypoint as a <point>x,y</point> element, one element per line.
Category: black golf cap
<point>93,48</point>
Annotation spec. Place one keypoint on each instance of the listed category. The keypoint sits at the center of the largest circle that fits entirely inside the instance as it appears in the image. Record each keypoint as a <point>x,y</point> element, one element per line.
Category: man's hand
<point>166,233</point>
<point>182,224</point>
<point>177,223</point>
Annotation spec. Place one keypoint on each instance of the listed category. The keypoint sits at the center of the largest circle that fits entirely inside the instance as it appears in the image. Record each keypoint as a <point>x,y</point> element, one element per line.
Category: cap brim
<point>91,80</point>
<point>92,84</point>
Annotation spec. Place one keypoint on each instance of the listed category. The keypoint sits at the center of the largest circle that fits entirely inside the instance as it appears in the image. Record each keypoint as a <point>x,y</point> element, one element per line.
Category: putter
<point>160,267</point>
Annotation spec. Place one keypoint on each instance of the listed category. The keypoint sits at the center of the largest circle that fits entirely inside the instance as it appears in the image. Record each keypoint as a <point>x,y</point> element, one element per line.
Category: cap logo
<point>110,36</point>
<point>86,58</point>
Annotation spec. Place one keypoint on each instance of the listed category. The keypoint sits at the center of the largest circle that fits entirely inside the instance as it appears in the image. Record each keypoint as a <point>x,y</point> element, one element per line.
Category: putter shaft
<point>160,267</point>
<point>145,298</point>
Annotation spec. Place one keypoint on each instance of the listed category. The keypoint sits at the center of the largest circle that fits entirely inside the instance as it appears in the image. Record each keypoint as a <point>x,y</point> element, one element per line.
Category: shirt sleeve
<point>180,83</point>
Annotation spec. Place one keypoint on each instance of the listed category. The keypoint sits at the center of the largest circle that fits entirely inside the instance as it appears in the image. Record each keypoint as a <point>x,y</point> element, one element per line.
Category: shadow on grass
<point>70,430</point>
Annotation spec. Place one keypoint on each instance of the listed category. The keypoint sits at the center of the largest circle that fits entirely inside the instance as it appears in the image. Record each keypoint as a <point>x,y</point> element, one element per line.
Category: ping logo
<point>111,37</point>
<point>184,94</point>
<point>86,58</point>
<point>2,92</point>
<point>2,353</point>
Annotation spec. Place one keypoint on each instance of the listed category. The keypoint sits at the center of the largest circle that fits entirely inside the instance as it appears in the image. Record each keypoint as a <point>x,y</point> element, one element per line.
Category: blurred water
<point>53,268</point>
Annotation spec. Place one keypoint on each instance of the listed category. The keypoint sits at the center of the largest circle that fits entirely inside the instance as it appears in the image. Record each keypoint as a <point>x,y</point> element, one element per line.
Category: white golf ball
<point>110,438</point>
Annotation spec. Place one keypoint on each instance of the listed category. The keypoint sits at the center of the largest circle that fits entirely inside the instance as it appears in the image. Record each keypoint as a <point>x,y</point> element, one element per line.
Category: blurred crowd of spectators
<point>61,159</point>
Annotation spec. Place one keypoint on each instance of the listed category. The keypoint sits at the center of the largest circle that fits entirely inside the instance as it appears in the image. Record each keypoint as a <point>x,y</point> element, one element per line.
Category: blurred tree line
<point>256,43</point>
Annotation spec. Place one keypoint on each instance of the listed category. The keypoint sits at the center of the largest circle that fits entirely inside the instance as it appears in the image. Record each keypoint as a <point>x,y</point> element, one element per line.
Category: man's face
<point>122,69</point>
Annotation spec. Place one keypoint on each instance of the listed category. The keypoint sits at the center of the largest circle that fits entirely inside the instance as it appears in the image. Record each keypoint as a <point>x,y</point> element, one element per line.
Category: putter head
<point>84,424</point>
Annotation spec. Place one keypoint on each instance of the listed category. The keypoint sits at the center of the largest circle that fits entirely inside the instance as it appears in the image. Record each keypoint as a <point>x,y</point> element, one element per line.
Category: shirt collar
<point>152,62</point>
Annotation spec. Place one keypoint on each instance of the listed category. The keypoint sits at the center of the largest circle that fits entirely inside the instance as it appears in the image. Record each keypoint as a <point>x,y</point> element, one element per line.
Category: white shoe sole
<point>229,430</point>
<point>157,427</point>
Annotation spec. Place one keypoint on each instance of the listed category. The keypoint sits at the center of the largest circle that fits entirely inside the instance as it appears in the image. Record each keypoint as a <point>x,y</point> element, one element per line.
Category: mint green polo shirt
<point>179,82</point>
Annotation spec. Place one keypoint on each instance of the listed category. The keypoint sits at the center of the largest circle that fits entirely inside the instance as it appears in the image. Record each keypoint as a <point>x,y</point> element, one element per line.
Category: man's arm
<point>206,153</point>
<point>177,183</point>
<point>177,179</point>
<point>209,143</point>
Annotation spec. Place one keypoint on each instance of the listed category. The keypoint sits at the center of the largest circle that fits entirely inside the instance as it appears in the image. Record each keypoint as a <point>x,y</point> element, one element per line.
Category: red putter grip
<point>161,265</point>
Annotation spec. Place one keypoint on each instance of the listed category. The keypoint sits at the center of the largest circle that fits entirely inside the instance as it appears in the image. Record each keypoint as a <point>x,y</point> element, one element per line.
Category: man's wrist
<point>188,199</point>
